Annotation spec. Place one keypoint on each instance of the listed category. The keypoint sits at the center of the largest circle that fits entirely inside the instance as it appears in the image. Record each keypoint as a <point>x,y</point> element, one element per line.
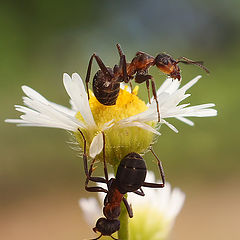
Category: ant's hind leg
<point>160,167</point>
<point>128,207</point>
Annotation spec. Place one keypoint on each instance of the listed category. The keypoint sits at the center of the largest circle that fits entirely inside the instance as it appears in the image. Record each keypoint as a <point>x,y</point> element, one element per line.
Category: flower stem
<point>123,232</point>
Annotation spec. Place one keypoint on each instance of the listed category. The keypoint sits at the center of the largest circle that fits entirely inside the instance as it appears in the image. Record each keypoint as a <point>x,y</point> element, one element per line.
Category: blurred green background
<point>41,178</point>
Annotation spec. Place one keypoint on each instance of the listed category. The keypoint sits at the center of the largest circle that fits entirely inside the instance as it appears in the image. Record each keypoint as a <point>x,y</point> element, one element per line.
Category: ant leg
<point>128,207</point>
<point>94,179</point>
<point>104,157</point>
<point>88,74</point>
<point>123,64</point>
<point>85,163</point>
<point>131,87</point>
<point>160,167</point>
<point>142,77</point>
<point>139,192</point>
<point>147,84</point>
<point>89,173</point>
<point>155,97</point>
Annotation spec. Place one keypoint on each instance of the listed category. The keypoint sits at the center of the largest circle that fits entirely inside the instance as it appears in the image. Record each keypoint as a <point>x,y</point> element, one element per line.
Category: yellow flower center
<point>119,140</point>
<point>127,105</point>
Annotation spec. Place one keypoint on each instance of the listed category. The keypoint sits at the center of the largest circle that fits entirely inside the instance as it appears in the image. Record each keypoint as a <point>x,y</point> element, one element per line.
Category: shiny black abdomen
<point>106,90</point>
<point>131,173</point>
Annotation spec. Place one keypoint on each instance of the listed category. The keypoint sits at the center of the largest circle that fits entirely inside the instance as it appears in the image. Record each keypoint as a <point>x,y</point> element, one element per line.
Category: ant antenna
<point>119,49</point>
<point>188,61</point>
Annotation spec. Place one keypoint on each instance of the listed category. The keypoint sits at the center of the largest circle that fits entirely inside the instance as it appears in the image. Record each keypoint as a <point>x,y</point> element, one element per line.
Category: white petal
<point>140,125</point>
<point>33,94</point>
<point>146,116</point>
<point>190,83</point>
<point>170,126</point>
<point>108,125</point>
<point>96,146</point>
<point>51,113</point>
<point>63,109</point>
<point>75,89</point>
<point>175,203</point>
<point>14,121</point>
<point>185,120</point>
<point>91,210</point>
<point>41,112</point>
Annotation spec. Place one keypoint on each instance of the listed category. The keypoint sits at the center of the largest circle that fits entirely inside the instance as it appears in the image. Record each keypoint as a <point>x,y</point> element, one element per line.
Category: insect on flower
<point>106,82</point>
<point>130,177</point>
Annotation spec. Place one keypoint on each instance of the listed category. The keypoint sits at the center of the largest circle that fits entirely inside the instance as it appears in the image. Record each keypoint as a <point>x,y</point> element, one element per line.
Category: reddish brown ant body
<point>106,82</point>
<point>130,177</point>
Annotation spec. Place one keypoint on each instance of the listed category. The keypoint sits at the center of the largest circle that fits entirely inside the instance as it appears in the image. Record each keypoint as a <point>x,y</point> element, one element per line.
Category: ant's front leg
<point>144,77</point>
<point>94,179</point>
<point>123,66</point>
<point>89,172</point>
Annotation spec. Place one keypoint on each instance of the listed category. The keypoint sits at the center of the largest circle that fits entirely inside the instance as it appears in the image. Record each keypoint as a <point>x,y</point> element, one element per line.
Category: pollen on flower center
<point>128,104</point>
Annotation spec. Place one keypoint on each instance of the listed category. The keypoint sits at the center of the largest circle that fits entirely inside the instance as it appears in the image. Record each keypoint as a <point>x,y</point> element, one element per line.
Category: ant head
<point>168,65</point>
<point>107,227</point>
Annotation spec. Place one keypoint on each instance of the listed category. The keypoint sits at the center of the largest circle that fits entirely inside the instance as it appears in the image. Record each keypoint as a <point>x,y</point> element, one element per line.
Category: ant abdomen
<point>106,91</point>
<point>131,173</point>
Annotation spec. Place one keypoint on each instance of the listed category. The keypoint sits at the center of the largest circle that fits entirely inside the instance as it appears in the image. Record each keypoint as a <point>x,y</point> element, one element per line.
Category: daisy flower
<point>154,214</point>
<point>129,126</point>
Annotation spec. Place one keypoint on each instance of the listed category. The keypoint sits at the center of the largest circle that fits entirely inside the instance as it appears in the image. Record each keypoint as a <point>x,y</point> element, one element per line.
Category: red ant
<point>106,82</point>
<point>130,177</point>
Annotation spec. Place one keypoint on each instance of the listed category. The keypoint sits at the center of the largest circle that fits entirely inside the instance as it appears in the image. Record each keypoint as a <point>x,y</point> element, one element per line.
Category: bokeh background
<point>41,178</point>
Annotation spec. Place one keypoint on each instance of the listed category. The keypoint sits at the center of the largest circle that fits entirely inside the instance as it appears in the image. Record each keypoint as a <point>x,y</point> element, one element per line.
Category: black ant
<point>130,177</point>
<point>106,82</point>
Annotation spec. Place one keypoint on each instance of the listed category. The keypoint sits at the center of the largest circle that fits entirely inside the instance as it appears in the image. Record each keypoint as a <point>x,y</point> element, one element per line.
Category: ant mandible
<point>130,177</point>
<point>106,82</point>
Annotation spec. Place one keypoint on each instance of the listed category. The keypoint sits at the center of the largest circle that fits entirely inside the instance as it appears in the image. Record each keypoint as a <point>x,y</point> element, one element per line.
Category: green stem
<point>123,232</point>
